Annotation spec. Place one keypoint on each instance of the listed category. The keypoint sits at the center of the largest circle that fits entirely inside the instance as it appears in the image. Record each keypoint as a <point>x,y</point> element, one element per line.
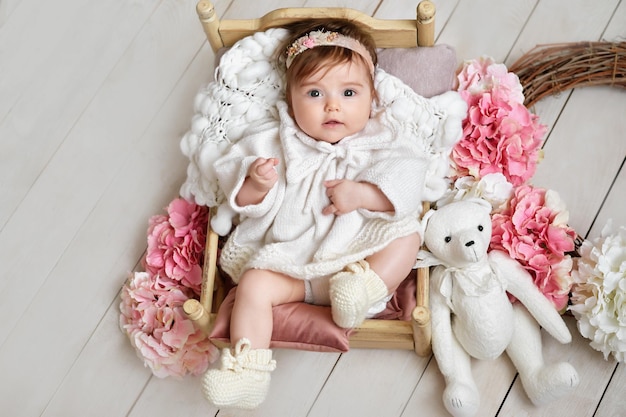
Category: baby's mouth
<point>332,123</point>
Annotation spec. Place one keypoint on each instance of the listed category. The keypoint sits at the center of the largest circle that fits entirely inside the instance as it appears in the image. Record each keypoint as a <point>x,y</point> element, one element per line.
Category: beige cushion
<point>430,71</point>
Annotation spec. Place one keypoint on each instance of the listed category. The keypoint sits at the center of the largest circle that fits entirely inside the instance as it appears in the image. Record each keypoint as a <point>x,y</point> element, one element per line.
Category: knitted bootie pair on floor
<point>353,291</point>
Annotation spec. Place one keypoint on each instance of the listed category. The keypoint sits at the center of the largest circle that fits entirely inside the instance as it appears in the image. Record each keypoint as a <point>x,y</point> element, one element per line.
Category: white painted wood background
<point>94,98</point>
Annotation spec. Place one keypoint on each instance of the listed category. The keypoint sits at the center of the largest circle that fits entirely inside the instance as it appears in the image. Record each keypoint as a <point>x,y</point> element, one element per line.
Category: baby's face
<point>334,102</point>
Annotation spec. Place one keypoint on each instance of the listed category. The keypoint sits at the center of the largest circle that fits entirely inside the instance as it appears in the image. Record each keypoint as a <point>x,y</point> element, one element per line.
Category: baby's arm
<point>346,196</point>
<point>261,178</point>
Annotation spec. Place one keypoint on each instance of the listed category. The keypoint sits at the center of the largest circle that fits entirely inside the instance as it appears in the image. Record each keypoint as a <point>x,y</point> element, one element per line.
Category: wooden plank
<point>52,62</point>
<point>105,362</point>
<point>613,403</point>
<point>593,371</point>
<point>251,10</point>
<point>485,27</point>
<point>127,240</point>
<point>6,9</point>
<point>613,208</point>
<point>582,155</point>
<point>367,381</point>
<point>95,228</point>
<point>168,397</point>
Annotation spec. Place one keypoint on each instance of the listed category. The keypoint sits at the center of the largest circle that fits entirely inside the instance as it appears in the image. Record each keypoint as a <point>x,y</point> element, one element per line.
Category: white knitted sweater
<point>287,231</point>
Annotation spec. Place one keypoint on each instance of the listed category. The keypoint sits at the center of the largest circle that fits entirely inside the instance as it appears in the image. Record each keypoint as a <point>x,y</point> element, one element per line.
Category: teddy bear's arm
<point>519,284</point>
<point>442,335</point>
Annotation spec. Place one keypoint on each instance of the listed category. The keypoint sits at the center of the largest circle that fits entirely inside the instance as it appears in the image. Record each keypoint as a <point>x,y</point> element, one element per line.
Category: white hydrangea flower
<point>599,292</point>
<point>492,187</point>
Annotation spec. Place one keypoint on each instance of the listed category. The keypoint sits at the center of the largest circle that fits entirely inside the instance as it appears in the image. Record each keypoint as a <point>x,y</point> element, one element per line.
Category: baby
<point>329,202</point>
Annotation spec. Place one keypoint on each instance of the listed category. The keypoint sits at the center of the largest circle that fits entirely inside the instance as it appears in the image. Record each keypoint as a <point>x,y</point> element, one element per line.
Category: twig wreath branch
<point>553,68</point>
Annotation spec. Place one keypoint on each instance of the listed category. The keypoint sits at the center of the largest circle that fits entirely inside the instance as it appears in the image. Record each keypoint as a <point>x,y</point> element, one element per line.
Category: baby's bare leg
<point>258,291</point>
<point>394,262</point>
<point>243,379</point>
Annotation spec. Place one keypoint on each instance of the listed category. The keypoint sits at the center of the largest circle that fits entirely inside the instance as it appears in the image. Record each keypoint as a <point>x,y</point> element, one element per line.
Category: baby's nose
<point>332,105</point>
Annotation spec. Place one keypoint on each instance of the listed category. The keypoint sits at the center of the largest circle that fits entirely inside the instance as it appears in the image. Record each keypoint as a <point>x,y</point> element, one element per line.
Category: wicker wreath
<point>551,69</point>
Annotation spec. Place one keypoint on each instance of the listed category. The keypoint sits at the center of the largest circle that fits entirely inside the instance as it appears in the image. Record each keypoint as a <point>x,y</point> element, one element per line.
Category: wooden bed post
<point>425,23</point>
<point>421,315</point>
<point>210,23</point>
<point>200,311</point>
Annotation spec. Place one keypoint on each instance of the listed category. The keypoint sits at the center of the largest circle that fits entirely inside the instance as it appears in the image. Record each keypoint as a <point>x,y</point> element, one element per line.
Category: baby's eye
<point>349,93</point>
<point>314,93</point>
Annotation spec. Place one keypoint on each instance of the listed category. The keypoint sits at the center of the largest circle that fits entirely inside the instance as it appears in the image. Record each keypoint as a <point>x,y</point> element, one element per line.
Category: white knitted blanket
<point>248,83</point>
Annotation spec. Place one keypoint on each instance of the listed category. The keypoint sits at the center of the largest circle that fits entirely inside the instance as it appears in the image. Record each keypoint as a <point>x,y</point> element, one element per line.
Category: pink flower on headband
<point>308,42</point>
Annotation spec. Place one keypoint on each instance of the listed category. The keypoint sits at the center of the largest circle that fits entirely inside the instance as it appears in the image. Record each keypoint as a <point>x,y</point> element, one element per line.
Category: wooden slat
<point>383,334</point>
<point>401,33</point>
<point>386,33</point>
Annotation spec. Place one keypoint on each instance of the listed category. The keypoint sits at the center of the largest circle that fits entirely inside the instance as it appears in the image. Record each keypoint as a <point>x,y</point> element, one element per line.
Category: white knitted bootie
<point>243,379</point>
<point>353,291</point>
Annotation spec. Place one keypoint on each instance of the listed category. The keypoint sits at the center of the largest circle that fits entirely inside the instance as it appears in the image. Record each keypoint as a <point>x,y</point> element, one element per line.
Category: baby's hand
<point>343,195</point>
<point>346,196</point>
<point>262,175</point>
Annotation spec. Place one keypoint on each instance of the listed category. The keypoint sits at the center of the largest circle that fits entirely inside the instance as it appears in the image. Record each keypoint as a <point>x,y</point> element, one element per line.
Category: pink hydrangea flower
<point>484,74</point>
<point>153,318</point>
<point>533,230</point>
<point>176,243</point>
<point>500,135</point>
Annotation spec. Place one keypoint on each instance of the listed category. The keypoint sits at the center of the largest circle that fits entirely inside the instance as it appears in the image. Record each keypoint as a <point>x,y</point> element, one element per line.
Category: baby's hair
<point>312,60</point>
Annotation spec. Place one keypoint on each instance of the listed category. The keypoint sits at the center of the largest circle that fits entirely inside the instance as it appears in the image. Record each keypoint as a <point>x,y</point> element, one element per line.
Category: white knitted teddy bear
<point>473,317</point>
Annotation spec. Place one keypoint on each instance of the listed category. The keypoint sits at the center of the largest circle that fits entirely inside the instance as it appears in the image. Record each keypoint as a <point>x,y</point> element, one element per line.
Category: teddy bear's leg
<point>542,383</point>
<point>460,397</point>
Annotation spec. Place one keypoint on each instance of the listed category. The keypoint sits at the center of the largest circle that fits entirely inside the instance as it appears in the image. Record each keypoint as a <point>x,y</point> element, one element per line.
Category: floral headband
<point>321,38</point>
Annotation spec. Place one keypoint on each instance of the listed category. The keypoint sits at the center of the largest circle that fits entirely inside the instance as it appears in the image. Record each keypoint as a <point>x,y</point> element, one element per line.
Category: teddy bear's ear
<point>426,217</point>
<point>481,202</point>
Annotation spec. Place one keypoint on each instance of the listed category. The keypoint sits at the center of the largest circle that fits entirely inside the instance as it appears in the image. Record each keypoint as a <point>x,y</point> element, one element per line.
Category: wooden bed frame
<point>400,33</point>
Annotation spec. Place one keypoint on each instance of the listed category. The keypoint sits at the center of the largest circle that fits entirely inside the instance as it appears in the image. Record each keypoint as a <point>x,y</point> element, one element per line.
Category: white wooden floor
<point>94,97</point>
